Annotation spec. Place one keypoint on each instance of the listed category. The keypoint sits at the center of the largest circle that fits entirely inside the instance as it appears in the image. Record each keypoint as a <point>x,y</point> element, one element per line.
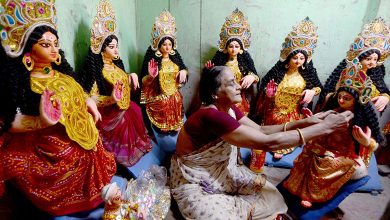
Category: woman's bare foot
<point>306,204</point>
<point>278,156</point>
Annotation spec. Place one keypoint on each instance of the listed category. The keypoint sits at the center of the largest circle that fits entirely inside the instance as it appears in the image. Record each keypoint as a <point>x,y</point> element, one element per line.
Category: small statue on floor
<point>147,197</point>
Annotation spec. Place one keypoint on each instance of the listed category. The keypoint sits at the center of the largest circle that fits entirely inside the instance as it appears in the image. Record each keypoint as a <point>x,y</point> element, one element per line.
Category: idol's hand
<point>117,92</point>
<point>380,102</point>
<point>209,64</point>
<point>363,137</point>
<point>247,81</point>
<point>133,80</point>
<point>153,68</point>
<point>271,89</point>
<point>308,95</point>
<point>181,76</point>
<point>50,108</point>
<point>93,110</point>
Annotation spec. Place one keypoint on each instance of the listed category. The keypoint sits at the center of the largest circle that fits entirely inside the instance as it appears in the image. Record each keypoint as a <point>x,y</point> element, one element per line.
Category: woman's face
<point>233,48</point>
<point>112,50</point>
<point>297,61</point>
<point>230,91</point>
<point>346,100</point>
<point>166,47</point>
<point>46,49</point>
<point>369,62</point>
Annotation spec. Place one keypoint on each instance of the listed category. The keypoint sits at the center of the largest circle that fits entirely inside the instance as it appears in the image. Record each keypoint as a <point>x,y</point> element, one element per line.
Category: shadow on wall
<point>371,11</point>
<point>81,45</point>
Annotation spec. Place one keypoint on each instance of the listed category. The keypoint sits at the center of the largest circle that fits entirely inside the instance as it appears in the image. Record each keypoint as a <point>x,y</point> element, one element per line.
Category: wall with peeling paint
<point>199,22</point>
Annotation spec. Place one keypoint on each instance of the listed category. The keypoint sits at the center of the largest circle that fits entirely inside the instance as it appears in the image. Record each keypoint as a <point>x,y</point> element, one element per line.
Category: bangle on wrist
<point>285,126</point>
<point>301,136</point>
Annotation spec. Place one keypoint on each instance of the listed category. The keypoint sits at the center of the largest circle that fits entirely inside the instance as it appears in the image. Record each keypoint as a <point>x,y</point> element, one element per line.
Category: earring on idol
<point>116,58</point>
<point>172,52</point>
<point>58,60</point>
<point>28,62</point>
<point>158,53</point>
<point>241,51</point>
<point>286,66</point>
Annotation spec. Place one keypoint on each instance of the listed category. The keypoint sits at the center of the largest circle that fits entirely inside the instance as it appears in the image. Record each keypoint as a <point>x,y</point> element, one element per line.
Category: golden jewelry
<point>372,144</point>
<point>158,53</point>
<point>385,95</point>
<point>164,26</point>
<point>19,18</point>
<point>375,35</point>
<point>172,52</point>
<point>353,77</point>
<point>104,25</point>
<point>235,26</point>
<point>317,90</point>
<point>58,60</point>
<point>257,79</point>
<point>301,136</point>
<point>28,61</point>
<point>302,37</point>
<point>285,126</point>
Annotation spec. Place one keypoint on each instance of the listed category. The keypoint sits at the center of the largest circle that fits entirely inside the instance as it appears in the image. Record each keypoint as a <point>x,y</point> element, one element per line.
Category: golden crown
<point>353,77</point>
<point>18,18</point>
<point>164,26</point>
<point>302,37</point>
<point>104,25</point>
<point>375,35</point>
<point>235,26</point>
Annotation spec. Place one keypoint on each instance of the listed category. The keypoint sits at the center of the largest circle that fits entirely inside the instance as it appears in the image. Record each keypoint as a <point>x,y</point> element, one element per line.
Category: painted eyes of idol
<point>47,44</point>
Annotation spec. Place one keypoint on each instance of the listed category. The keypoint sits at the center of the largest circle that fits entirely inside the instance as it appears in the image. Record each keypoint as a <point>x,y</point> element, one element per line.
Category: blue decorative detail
<point>361,43</point>
<point>3,35</point>
<point>10,20</point>
<point>351,72</point>
<point>355,61</point>
<point>348,82</point>
<point>19,16</point>
<point>355,46</point>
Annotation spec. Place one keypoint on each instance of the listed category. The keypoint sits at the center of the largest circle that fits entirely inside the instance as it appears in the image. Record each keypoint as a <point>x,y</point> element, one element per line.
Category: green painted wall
<point>199,22</point>
<point>74,22</point>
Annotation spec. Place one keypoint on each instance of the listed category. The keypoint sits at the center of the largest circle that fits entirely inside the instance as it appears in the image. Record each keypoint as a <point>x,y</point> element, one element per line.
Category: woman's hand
<point>271,89</point>
<point>50,108</point>
<point>93,110</point>
<point>133,80</point>
<point>209,64</point>
<point>308,95</point>
<point>247,81</point>
<point>153,68</point>
<point>380,102</point>
<point>338,121</point>
<point>117,91</point>
<point>181,76</point>
<point>363,137</point>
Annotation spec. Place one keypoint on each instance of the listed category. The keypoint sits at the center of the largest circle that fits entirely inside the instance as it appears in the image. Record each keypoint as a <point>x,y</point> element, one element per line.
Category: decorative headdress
<point>104,25</point>
<point>235,26</point>
<point>19,18</point>
<point>164,26</point>
<point>302,37</point>
<point>375,35</point>
<point>353,77</point>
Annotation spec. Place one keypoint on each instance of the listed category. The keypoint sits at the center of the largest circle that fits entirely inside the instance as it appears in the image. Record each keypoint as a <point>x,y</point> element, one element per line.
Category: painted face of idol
<point>46,50</point>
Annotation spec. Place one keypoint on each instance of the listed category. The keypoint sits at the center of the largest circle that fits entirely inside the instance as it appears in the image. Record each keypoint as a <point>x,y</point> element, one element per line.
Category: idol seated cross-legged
<point>207,180</point>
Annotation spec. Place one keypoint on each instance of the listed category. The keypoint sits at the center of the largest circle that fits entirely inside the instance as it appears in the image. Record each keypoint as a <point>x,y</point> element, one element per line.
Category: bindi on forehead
<point>48,37</point>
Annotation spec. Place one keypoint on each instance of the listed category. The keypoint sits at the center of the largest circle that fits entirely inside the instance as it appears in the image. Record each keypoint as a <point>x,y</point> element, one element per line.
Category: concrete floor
<point>357,206</point>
